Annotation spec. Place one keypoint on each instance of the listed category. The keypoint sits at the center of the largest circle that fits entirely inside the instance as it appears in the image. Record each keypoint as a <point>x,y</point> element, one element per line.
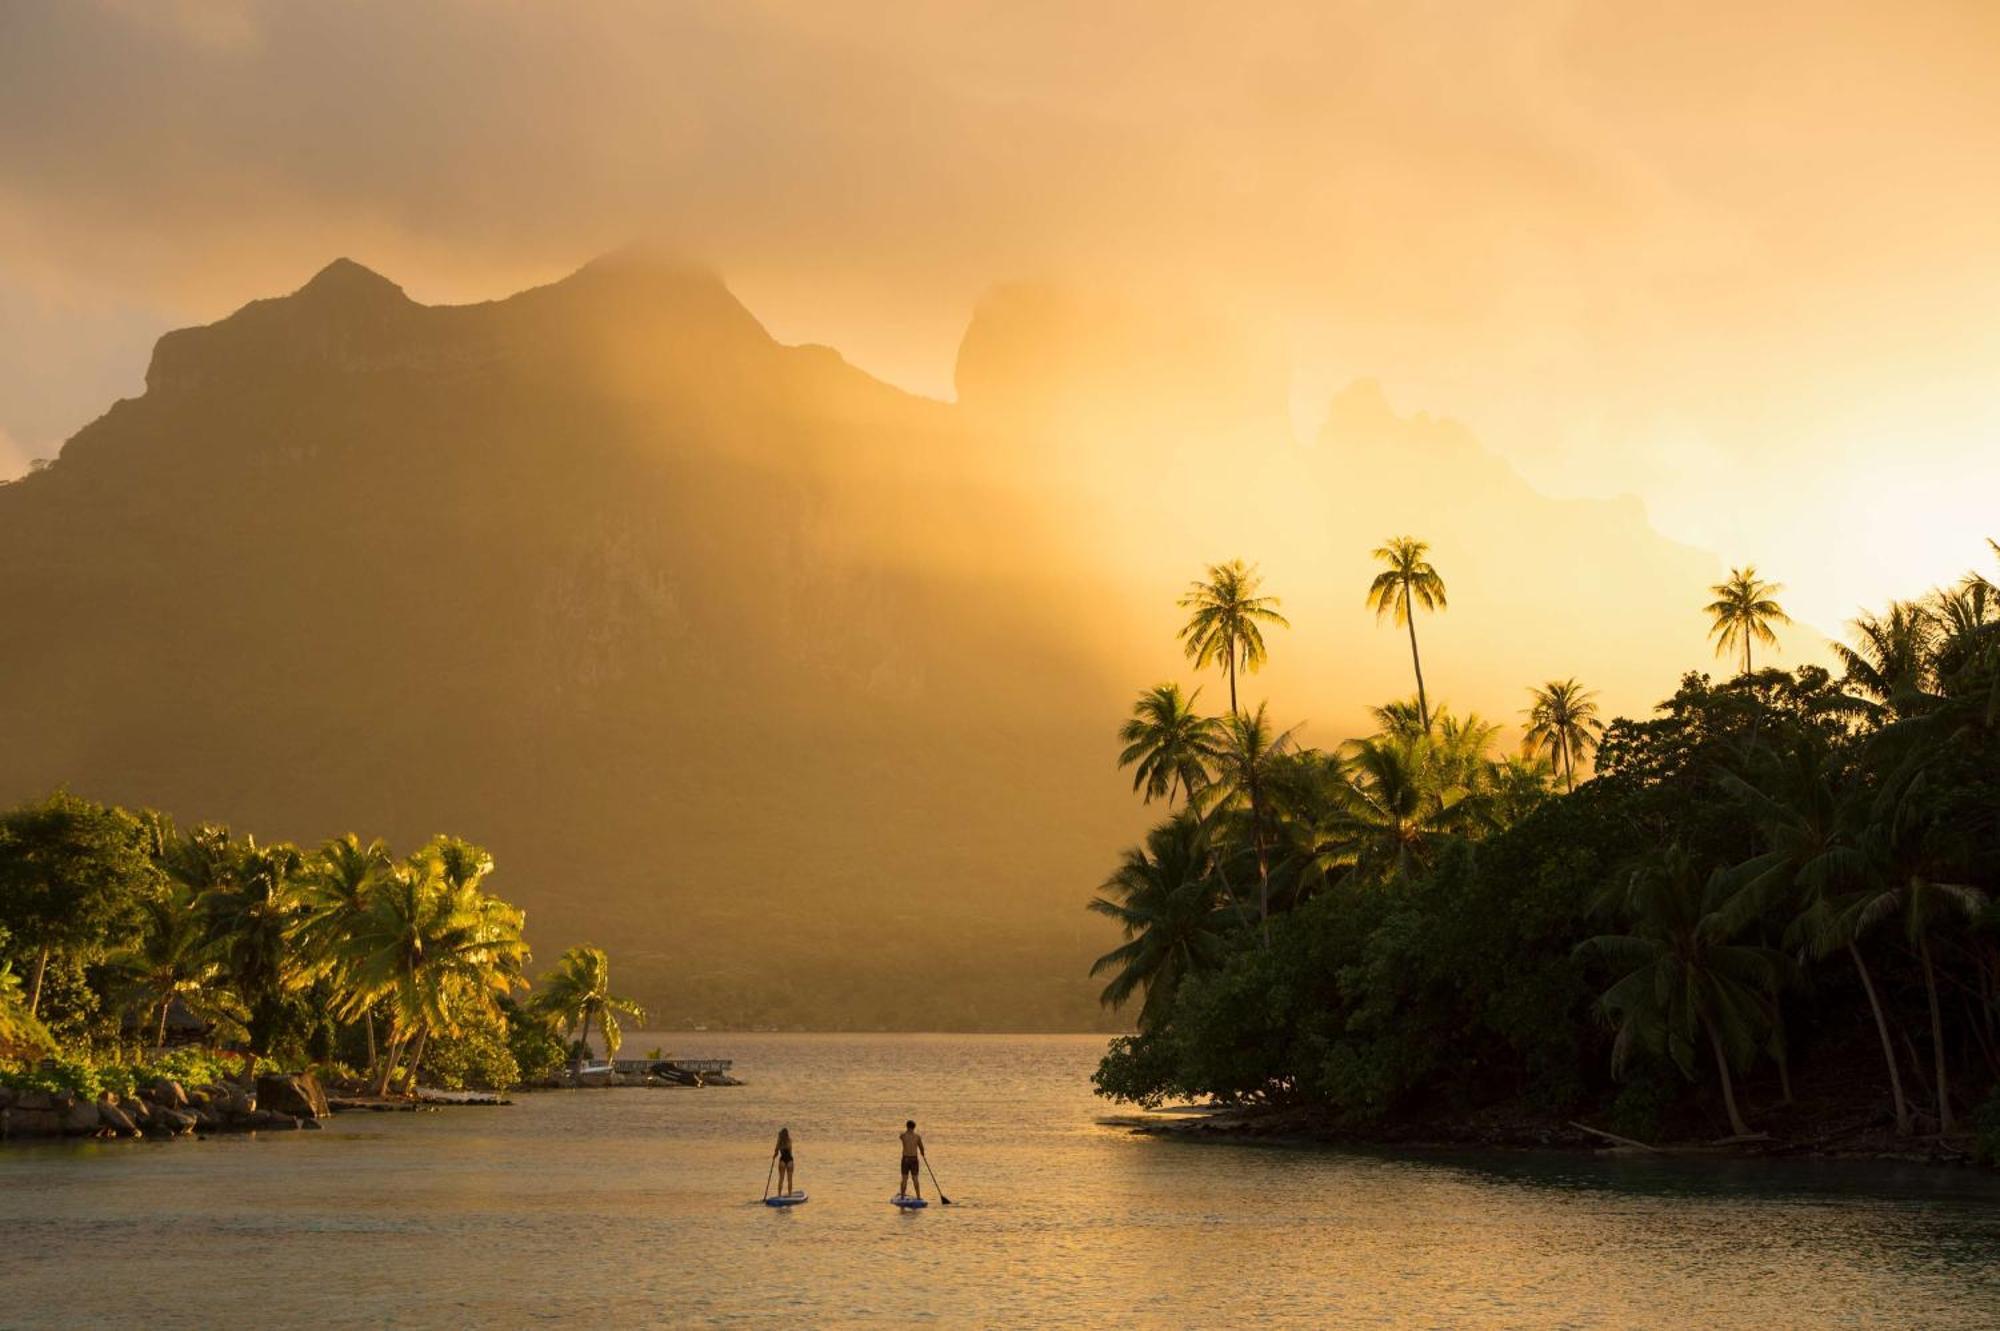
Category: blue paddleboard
<point>909,1203</point>
<point>786,1199</point>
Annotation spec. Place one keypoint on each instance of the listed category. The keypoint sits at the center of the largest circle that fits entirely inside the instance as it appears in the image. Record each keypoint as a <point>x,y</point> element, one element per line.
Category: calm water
<point>637,1207</point>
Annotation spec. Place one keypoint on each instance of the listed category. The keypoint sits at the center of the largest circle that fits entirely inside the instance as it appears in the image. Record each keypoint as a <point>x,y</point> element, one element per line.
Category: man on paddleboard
<point>913,1150</point>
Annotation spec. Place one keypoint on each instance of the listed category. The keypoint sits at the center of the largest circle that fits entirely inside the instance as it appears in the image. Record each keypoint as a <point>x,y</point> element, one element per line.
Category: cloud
<point>1580,227</point>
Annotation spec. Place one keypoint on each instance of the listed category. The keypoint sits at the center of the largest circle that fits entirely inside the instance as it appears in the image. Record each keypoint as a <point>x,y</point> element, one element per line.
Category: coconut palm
<point>175,960</point>
<point>1227,623</point>
<point>333,898</point>
<point>1168,744</point>
<point>578,992</point>
<point>437,952</point>
<point>1404,796</point>
<point>1811,818</point>
<point>1562,723</point>
<point>1743,610</point>
<point>250,914</point>
<point>1924,904</point>
<point>1891,661</point>
<point>18,1026</point>
<point>1246,760</point>
<point>1681,979</point>
<point>1163,897</point>
<point>1407,581</point>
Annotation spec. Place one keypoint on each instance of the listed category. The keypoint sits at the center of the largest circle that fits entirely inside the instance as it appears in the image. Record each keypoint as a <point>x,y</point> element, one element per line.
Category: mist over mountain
<point>793,690</point>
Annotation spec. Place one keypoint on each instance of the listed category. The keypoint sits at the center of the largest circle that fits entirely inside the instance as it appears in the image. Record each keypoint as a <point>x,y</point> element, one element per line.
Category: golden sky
<point>1738,259</point>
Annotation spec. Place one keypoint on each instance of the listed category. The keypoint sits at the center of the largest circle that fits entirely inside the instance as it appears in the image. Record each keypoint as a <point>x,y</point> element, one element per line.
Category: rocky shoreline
<point>1872,1138</point>
<point>281,1102</point>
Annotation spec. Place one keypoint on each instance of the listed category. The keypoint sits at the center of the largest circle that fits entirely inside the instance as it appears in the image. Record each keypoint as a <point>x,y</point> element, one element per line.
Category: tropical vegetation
<point>127,942</point>
<point>1767,909</point>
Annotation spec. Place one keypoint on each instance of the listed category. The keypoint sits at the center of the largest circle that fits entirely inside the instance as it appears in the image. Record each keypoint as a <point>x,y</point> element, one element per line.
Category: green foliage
<point>539,1053</point>
<point>475,1057</point>
<point>1447,934</point>
<point>577,995</point>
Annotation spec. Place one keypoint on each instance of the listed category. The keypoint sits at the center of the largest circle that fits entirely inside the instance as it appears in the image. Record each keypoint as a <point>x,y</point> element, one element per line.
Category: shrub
<point>477,1058</point>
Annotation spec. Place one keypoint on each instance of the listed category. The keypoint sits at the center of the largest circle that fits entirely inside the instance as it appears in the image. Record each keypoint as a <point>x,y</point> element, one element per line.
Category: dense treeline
<point>119,931</point>
<point>1783,876</point>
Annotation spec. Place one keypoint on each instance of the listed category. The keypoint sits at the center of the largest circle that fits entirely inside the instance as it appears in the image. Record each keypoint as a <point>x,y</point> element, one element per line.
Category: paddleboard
<point>909,1203</point>
<point>786,1199</point>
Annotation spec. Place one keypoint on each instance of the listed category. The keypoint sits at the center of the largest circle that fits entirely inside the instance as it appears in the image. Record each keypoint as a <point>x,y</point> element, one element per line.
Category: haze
<point>1733,259</point>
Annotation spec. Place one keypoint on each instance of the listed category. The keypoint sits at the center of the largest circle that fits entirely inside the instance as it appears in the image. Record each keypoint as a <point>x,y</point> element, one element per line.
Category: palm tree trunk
<point>1945,1123</point>
<point>35,990</point>
<point>1416,663</point>
<point>368,1023</point>
<point>161,1042</point>
<point>1736,1123</point>
<point>1231,663</point>
<point>1746,653</point>
<point>1888,1048</point>
<point>387,1068</point>
<point>417,1058</point>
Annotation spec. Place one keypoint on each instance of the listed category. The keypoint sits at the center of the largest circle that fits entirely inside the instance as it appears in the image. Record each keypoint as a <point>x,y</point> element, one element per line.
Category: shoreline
<point>1305,1126</point>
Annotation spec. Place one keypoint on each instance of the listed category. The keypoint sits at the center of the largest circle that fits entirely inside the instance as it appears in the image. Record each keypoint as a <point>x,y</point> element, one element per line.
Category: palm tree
<point>1408,581</point>
<point>1562,722</point>
<point>1743,610</point>
<point>1228,619</point>
<point>1809,819</point>
<point>174,959</point>
<point>1923,903</point>
<point>1891,660</point>
<point>1245,762</point>
<point>1170,746</point>
<point>250,914</point>
<point>578,992</point>
<point>1403,797</point>
<point>1164,898</point>
<point>333,899</point>
<point>1682,979</point>
<point>438,952</point>
<point>18,1027</point>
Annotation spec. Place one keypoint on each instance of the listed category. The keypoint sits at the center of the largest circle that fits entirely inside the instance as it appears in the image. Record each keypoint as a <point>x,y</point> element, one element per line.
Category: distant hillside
<point>792,689</point>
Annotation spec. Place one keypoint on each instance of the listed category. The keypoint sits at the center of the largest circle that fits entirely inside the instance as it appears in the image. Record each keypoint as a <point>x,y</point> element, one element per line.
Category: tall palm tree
<point>333,899</point>
<point>1164,898</point>
<point>1407,581</point>
<point>1810,819</point>
<point>1170,745</point>
<point>174,959</point>
<point>1924,905</point>
<point>1891,661</point>
<point>1681,979</point>
<point>1562,722</point>
<point>250,914</point>
<point>1246,760</point>
<point>1228,619</point>
<point>578,992</point>
<point>1743,610</point>
<point>439,953</point>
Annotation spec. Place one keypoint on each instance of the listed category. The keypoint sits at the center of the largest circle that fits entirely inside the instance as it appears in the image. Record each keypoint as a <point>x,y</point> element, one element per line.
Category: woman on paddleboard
<point>783,1150</point>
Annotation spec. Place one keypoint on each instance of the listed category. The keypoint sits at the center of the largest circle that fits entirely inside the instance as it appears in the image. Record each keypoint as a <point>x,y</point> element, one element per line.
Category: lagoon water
<point>640,1207</point>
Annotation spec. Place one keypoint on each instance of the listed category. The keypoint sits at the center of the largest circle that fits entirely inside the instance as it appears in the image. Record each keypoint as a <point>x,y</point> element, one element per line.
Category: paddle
<point>934,1183</point>
<point>767,1175</point>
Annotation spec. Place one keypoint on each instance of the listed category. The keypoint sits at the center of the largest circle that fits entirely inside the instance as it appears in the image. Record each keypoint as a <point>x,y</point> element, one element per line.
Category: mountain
<point>792,689</point>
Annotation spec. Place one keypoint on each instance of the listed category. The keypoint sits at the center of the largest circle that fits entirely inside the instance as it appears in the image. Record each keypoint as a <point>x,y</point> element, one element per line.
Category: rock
<point>170,1122</point>
<point>7,1095</point>
<point>270,1120</point>
<point>207,1119</point>
<point>117,1120</point>
<point>168,1093</point>
<point>296,1094</point>
<point>35,1102</point>
<point>20,1122</point>
<point>311,1123</point>
<point>81,1118</point>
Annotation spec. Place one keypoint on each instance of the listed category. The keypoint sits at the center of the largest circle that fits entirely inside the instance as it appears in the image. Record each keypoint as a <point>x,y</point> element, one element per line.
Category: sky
<point>1736,259</point>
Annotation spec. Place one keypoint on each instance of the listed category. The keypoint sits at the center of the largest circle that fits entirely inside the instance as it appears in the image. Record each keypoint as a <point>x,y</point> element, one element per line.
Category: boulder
<point>31,1122</point>
<point>117,1120</point>
<point>168,1093</point>
<point>35,1102</point>
<point>82,1118</point>
<point>270,1120</point>
<point>7,1095</point>
<point>170,1122</point>
<point>240,1104</point>
<point>298,1094</point>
